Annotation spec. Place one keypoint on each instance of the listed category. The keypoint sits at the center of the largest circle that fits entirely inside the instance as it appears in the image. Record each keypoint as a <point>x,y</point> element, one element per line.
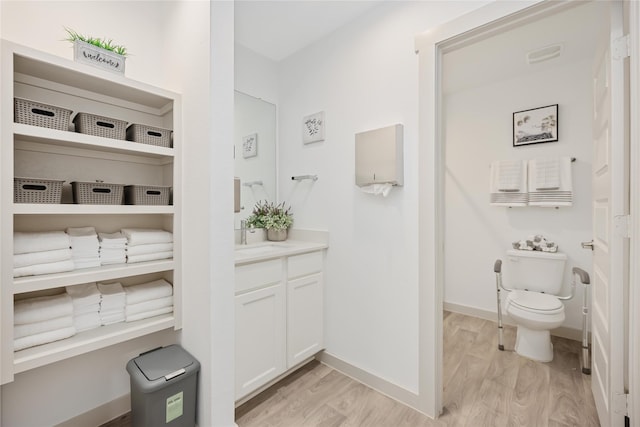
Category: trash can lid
<point>163,362</point>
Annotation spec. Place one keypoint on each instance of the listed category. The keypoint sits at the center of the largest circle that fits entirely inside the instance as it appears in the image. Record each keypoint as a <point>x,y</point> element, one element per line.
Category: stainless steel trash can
<point>163,388</point>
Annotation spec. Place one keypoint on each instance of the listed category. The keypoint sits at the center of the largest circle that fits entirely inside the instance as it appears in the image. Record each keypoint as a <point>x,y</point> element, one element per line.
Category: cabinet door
<point>304,318</point>
<point>260,338</point>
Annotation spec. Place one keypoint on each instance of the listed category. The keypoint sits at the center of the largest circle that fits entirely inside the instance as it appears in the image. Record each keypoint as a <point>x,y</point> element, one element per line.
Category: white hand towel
<point>43,338</point>
<point>132,259</point>
<point>49,268</point>
<point>563,196</point>
<point>112,238</point>
<point>149,305</point>
<point>86,294</point>
<point>24,242</point>
<point>498,197</point>
<point>81,231</point>
<point>27,329</point>
<point>87,321</point>
<point>44,257</point>
<point>107,289</point>
<point>110,319</point>
<point>145,236</point>
<point>149,249</point>
<point>547,173</point>
<point>509,175</point>
<point>148,314</point>
<point>40,309</point>
<point>93,263</point>
<point>146,291</point>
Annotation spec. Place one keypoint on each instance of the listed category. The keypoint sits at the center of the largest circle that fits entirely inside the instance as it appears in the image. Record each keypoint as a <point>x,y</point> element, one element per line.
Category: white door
<point>609,207</point>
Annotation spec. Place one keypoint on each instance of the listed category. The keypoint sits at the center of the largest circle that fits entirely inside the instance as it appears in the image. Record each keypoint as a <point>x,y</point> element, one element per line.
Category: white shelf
<point>84,342</point>
<point>72,209</point>
<point>46,138</point>
<point>108,272</point>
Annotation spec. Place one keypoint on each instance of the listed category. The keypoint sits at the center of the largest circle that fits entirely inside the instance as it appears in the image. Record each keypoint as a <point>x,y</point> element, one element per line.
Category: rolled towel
<point>40,309</point>
<point>147,291</point>
<point>149,305</point>
<point>132,259</point>
<point>24,242</point>
<point>149,249</point>
<point>49,268</point>
<point>43,338</point>
<point>44,257</point>
<point>145,236</point>
<point>27,329</point>
<point>148,314</point>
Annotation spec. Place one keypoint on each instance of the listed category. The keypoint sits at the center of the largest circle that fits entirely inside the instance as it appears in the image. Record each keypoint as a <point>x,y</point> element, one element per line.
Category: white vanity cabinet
<point>279,317</point>
<point>62,154</point>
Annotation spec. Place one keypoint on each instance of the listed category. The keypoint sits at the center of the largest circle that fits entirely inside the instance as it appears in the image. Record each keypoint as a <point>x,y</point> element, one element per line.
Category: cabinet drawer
<point>259,274</point>
<point>301,265</point>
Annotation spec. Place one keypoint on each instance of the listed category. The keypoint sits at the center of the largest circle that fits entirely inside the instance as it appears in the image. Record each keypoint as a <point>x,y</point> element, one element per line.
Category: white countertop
<point>268,250</point>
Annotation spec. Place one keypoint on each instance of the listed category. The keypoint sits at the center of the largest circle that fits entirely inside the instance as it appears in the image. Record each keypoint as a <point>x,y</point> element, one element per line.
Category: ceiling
<point>277,29</point>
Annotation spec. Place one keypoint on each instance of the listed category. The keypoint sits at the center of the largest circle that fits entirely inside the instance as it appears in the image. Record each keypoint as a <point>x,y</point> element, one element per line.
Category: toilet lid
<point>535,300</point>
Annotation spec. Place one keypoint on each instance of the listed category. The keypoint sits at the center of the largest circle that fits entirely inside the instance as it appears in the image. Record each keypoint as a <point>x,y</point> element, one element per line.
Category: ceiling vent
<point>544,54</point>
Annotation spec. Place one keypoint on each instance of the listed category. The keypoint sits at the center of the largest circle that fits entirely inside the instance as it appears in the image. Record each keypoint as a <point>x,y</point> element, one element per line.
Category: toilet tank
<point>534,270</point>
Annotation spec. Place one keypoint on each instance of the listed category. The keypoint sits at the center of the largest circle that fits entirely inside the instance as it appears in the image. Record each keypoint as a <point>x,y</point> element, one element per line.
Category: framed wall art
<point>535,126</point>
<point>313,128</point>
<point>250,145</point>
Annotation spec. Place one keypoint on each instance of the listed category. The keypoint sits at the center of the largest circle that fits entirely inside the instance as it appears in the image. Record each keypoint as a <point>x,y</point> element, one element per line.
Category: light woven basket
<point>106,127</point>
<point>39,114</point>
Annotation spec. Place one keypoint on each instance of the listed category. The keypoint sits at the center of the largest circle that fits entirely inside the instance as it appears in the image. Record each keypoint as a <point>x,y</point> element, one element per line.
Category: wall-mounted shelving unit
<point>39,152</point>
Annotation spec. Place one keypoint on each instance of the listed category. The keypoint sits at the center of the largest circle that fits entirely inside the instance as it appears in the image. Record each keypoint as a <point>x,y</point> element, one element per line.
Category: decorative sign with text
<point>92,55</point>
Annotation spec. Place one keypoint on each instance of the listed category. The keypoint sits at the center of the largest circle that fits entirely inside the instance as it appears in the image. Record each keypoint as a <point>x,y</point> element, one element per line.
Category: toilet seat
<point>535,302</point>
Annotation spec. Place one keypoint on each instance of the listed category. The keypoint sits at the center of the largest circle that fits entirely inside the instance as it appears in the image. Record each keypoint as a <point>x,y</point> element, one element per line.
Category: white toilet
<point>536,278</point>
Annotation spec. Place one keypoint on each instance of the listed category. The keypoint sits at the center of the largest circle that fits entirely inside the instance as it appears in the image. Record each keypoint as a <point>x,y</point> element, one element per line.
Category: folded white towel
<point>40,309</point>
<point>147,291</point>
<point>132,259</point>
<point>116,238</point>
<point>149,249</point>
<point>48,268</point>
<point>562,196</point>
<point>93,308</point>
<point>84,294</point>
<point>27,329</point>
<point>149,305</point>
<point>110,319</point>
<point>509,174</point>
<point>87,321</point>
<point>505,190</point>
<point>147,314</point>
<point>110,289</point>
<point>44,257</point>
<point>24,242</point>
<point>93,263</point>
<point>546,173</point>
<point>43,338</point>
<point>81,231</point>
<point>112,261</point>
<point>145,236</point>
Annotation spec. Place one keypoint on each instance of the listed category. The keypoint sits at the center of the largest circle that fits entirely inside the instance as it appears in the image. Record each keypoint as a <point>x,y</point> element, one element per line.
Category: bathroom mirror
<point>254,151</point>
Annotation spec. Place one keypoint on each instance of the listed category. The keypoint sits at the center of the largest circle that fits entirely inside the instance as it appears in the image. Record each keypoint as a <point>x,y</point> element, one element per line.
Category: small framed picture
<point>535,126</point>
<point>250,145</point>
<point>313,128</point>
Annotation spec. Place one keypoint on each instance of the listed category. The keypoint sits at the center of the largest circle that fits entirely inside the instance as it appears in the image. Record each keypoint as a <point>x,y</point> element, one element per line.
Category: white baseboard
<point>381,385</point>
<point>102,414</point>
<point>563,332</point>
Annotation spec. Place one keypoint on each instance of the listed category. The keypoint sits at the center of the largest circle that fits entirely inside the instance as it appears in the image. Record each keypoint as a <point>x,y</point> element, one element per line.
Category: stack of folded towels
<point>41,253</point>
<point>148,300</point>
<point>112,303</point>
<point>113,248</point>
<point>84,247</point>
<point>86,306</point>
<point>145,244</point>
<point>42,320</point>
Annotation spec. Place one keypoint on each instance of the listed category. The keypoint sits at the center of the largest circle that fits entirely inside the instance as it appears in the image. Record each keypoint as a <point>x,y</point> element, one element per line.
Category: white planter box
<point>93,55</point>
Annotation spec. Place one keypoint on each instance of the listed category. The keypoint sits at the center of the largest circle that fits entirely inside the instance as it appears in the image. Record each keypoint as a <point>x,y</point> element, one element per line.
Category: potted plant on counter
<point>275,218</point>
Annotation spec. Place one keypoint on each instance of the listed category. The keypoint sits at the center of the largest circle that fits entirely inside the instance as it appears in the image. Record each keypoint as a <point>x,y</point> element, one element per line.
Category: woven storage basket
<point>149,135</point>
<point>38,114</point>
<point>35,190</point>
<point>96,193</point>
<point>146,195</point>
<point>106,127</point>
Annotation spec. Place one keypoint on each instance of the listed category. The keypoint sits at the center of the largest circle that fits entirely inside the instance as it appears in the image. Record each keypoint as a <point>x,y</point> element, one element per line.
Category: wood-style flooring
<point>483,387</point>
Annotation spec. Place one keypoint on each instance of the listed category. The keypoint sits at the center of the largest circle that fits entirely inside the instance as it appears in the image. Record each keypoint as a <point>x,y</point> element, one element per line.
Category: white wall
<point>363,76</point>
<point>255,75</point>
<point>478,131</point>
<point>170,45</point>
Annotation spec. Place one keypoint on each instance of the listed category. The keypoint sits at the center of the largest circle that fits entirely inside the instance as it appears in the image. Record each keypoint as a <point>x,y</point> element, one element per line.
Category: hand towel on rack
<point>48,268</point>
<point>26,242</point>
<point>499,197</point>
<point>44,257</point>
<point>546,173</point>
<point>149,249</point>
<point>509,175</point>
<point>43,338</point>
<point>144,236</point>
<point>563,196</point>
<point>149,305</point>
<point>40,309</point>
<point>146,291</point>
<point>131,259</point>
<point>27,329</point>
<point>148,314</point>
